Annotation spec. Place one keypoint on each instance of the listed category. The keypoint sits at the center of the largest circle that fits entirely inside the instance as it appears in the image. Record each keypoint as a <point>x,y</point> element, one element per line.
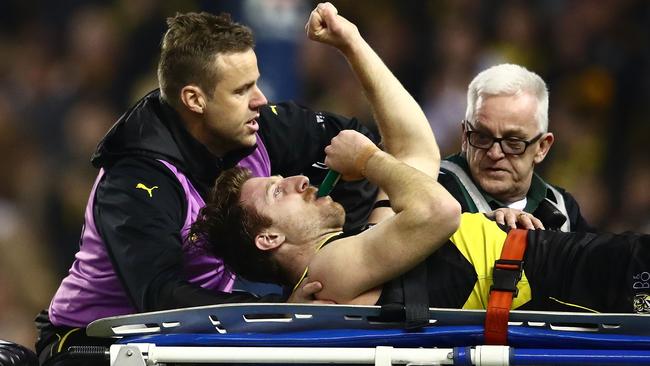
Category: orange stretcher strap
<point>505,276</point>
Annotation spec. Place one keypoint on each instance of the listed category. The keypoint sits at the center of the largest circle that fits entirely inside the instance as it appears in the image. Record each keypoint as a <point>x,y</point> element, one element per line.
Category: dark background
<point>68,69</point>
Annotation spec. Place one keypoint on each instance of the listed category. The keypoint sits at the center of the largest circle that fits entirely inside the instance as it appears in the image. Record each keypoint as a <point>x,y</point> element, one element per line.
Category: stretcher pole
<point>540,356</point>
<point>139,354</point>
<point>380,356</point>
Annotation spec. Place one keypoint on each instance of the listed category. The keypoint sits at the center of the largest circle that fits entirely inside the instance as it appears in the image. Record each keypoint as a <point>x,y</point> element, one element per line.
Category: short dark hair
<point>228,229</point>
<point>189,48</point>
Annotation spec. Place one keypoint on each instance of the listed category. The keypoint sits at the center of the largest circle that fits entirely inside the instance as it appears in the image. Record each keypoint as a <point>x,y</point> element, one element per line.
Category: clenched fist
<point>326,26</point>
<point>348,153</point>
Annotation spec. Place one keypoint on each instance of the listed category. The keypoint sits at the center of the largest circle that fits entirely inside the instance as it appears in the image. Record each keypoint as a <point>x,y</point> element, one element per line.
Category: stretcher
<point>344,334</point>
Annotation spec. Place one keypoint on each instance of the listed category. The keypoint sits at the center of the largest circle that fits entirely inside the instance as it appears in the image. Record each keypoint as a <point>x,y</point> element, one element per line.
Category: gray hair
<point>509,79</point>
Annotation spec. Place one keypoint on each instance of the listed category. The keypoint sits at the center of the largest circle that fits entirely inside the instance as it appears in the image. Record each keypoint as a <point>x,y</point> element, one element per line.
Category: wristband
<point>362,159</point>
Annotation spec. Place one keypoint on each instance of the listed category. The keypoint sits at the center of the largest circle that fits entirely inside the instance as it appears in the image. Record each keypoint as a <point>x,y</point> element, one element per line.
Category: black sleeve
<point>600,271</point>
<point>295,138</point>
<point>578,222</point>
<point>142,234</point>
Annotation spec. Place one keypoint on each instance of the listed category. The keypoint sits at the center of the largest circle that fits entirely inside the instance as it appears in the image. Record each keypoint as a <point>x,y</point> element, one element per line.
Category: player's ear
<point>269,240</point>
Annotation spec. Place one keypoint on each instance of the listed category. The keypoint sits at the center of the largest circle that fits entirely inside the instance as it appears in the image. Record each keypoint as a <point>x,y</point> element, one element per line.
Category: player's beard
<point>333,216</point>
<point>303,228</point>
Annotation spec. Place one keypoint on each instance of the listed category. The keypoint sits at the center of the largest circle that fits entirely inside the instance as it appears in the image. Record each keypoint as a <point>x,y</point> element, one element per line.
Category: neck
<point>296,257</point>
<point>510,199</point>
<point>196,127</point>
<point>518,193</point>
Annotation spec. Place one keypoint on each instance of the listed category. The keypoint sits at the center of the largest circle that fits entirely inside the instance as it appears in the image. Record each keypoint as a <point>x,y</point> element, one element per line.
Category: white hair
<point>509,79</point>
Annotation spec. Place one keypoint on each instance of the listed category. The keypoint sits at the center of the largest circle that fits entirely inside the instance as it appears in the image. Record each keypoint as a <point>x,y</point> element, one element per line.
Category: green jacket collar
<point>536,194</point>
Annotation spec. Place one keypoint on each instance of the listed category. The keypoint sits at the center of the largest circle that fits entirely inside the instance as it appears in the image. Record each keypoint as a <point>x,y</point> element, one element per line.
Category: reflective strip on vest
<point>466,181</point>
<point>483,206</point>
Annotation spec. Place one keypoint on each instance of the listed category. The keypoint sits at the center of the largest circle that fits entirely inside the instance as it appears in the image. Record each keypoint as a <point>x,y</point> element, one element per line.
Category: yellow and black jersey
<point>480,241</point>
<point>459,274</point>
<point>562,271</point>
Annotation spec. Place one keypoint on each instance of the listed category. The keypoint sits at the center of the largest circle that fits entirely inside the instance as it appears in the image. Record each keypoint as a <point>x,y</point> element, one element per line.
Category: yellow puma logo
<point>274,109</point>
<point>142,186</point>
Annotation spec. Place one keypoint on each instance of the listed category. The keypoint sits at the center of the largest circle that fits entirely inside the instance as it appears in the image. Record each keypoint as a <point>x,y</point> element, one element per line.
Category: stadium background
<point>69,68</point>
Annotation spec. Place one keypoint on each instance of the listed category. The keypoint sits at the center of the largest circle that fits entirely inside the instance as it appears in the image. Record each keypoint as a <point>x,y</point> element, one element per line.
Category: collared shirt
<point>538,193</point>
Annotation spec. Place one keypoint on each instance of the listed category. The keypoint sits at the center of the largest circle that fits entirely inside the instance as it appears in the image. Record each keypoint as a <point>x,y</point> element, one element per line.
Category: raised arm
<point>426,214</point>
<point>405,131</point>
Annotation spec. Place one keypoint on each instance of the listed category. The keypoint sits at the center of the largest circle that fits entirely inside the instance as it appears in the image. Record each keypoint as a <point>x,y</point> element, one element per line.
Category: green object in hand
<point>328,183</point>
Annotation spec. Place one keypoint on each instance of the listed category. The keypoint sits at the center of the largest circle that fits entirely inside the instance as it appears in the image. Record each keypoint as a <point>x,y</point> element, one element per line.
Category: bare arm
<point>426,216</point>
<point>404,128</point>
<point>425,213</point>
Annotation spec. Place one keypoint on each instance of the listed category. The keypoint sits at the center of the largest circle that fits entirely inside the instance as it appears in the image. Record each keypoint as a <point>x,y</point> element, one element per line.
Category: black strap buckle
<point>505,277</point>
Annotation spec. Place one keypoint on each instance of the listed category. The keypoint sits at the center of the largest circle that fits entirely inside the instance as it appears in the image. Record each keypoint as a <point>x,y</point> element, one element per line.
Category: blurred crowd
<point>69,68</point>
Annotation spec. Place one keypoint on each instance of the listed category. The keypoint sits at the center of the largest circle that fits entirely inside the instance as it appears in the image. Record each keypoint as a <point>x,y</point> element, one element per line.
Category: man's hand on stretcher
<point>514,219</point>
<point>306,293</point>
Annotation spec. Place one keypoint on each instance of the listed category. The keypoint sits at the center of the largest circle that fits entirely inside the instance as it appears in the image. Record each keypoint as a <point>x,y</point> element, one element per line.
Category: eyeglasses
<point>509,145</point>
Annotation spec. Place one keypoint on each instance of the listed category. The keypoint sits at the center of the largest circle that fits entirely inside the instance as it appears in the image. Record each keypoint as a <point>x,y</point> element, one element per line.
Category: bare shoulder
<point>345,267</point>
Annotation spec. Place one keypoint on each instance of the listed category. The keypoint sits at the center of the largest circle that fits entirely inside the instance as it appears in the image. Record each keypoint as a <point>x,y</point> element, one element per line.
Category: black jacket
<point>143,238</point>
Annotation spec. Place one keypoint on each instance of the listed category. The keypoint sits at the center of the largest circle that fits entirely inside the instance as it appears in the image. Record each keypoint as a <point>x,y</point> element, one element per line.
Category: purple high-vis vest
<point>92,289</point>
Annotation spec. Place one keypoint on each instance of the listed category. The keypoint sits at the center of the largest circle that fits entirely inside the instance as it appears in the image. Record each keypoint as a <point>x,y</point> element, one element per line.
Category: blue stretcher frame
<point>307,333</point>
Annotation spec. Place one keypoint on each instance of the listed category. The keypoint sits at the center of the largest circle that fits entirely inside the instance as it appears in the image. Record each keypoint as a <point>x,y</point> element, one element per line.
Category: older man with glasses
<point>505,134</point>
